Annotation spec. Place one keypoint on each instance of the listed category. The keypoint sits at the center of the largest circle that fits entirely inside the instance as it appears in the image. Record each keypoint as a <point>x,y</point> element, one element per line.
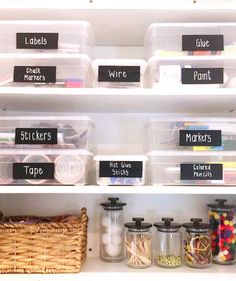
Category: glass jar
<point>112,231</point>
<point>222,219</point>
<point>197,244</point>
<point>168,243</point>
<point>138,243</point>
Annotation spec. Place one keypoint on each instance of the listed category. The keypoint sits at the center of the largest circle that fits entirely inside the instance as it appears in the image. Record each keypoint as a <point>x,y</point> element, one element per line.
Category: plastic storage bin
<point>58,166</point>
<point>192,168</point>
<point>46,70</point>
<point>45,132</point>
<point>45,36</point>
<point>120,169</point>
<point>215,71</point>
<point>119,73</point>
<point>165,39</point>
<point>188,133</point>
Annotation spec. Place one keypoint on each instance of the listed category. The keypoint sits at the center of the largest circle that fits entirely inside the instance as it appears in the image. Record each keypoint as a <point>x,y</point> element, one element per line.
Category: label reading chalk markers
<point>33,171</point>
<point>200,138</point>
<point>202,75</point>
<point>202,43</point>
<point>35,74</point>
<point>36,136</point>
<point>121,169</point>
<point>117,73</point>
<point>37,41</point>
<point>201,171</point>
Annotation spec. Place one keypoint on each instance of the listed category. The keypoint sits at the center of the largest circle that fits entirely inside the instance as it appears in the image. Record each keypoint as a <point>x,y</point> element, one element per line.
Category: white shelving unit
<point>122,114</point>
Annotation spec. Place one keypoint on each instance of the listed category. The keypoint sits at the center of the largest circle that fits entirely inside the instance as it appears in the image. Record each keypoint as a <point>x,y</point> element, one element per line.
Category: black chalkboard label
<point>37,41</point>
<point>121,169</point>
<point>117,73</point>
<point>36,136</point>
<point>32,171</point>
<point>200,171</point>
<point>35,74</point>
<point>202,75</point>
<point>200,138</point>
<point>203,42</point>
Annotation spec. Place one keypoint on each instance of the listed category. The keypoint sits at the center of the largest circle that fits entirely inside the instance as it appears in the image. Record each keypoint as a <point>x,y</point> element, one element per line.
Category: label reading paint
<point>37,41</point>
<point>33,171</point>
<point>121,169</point>
<point>202,75</point>
<point>201,171</point>
<point>36,136</point>
<point>202,43</point>
<point>117,73</point>
<point>35,74</point>
<point>200,138</point>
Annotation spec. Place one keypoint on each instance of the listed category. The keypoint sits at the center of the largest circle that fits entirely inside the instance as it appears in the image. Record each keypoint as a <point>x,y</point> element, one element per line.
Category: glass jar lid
<point>138,225</point>
<point>113,205</point>
<point>220,205</point>
<point>196,225</point>
<point>167,225</point>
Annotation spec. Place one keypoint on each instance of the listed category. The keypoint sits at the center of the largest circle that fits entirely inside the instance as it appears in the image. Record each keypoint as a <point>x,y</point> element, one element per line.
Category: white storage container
<point>67,132</point>
<point>177,39</point>
<point>45,36</point>
<point>120,169</point>
<point>191,168</point>
<point>191,133</point>
<point>46,70</point>
<point>58,166</point>
<point>119,73</point>
<point>214,71</point>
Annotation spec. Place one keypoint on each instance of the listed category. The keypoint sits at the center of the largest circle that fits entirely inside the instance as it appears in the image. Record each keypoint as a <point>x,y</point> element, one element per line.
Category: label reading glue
<point>33,171</point>
<point>202,43</point>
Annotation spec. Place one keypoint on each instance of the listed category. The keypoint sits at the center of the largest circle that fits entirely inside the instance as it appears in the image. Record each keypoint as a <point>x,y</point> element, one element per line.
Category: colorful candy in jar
<point>223,228</point>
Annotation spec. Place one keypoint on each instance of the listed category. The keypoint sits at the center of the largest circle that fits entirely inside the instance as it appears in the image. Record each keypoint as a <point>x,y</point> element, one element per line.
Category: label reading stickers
<point>202,43</point>
<point>200,138</point>
<point>201,171</point>
<point>36,136</point>
<point>33,171</point>
<point>202,75</point>
<point>118,169</point>
<point>37,41</point>
<point>35,74</point>
<point>117,73</point>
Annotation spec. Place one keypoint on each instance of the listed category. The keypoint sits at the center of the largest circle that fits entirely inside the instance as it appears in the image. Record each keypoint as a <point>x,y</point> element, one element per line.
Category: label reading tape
<point>200,138</point>
<point>121,169</point>
<point>37,41</point>
<point>116,73</point>
<point>202,43</point>
<point>33,171</point>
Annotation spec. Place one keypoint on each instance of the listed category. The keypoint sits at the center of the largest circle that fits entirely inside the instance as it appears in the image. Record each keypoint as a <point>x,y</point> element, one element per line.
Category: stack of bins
<point>184,57</point>
<point>45,149</point>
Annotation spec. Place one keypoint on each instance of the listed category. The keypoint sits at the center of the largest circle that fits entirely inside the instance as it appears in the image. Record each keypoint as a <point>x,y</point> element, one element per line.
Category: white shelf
<point>98,100</point>
<point>94,268</point>
<point>94,189</point>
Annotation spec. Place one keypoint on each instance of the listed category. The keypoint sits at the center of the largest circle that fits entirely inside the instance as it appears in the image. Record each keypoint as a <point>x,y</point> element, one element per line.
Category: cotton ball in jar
<point>112,250</point>
<point>105,221</point>
<point>105,238</point>
<point>116,239</point>
<point>115,229</point>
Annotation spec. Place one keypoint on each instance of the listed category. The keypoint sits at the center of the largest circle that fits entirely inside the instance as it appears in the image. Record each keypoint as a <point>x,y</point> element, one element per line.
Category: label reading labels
<point>202,75</point>
<point>33,171</point>
<point>202,43</point>
<point>124,169</point>
<point>37,40</point>
<point>117,73</point>
<point>36,136</point>
<point>200,138</point>
<point>201,171</point>
<point>35,74</point>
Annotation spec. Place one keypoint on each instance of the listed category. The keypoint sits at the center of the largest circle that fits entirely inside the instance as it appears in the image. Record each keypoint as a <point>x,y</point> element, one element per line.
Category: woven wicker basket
<point>44,247</point>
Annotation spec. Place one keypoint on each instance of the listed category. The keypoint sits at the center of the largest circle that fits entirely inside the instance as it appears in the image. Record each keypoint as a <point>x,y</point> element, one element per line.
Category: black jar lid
<point>220,204</point>
<point>138,225</point>
<point>113,205</point>
<point>167,224</point>
<point>196,224</point>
